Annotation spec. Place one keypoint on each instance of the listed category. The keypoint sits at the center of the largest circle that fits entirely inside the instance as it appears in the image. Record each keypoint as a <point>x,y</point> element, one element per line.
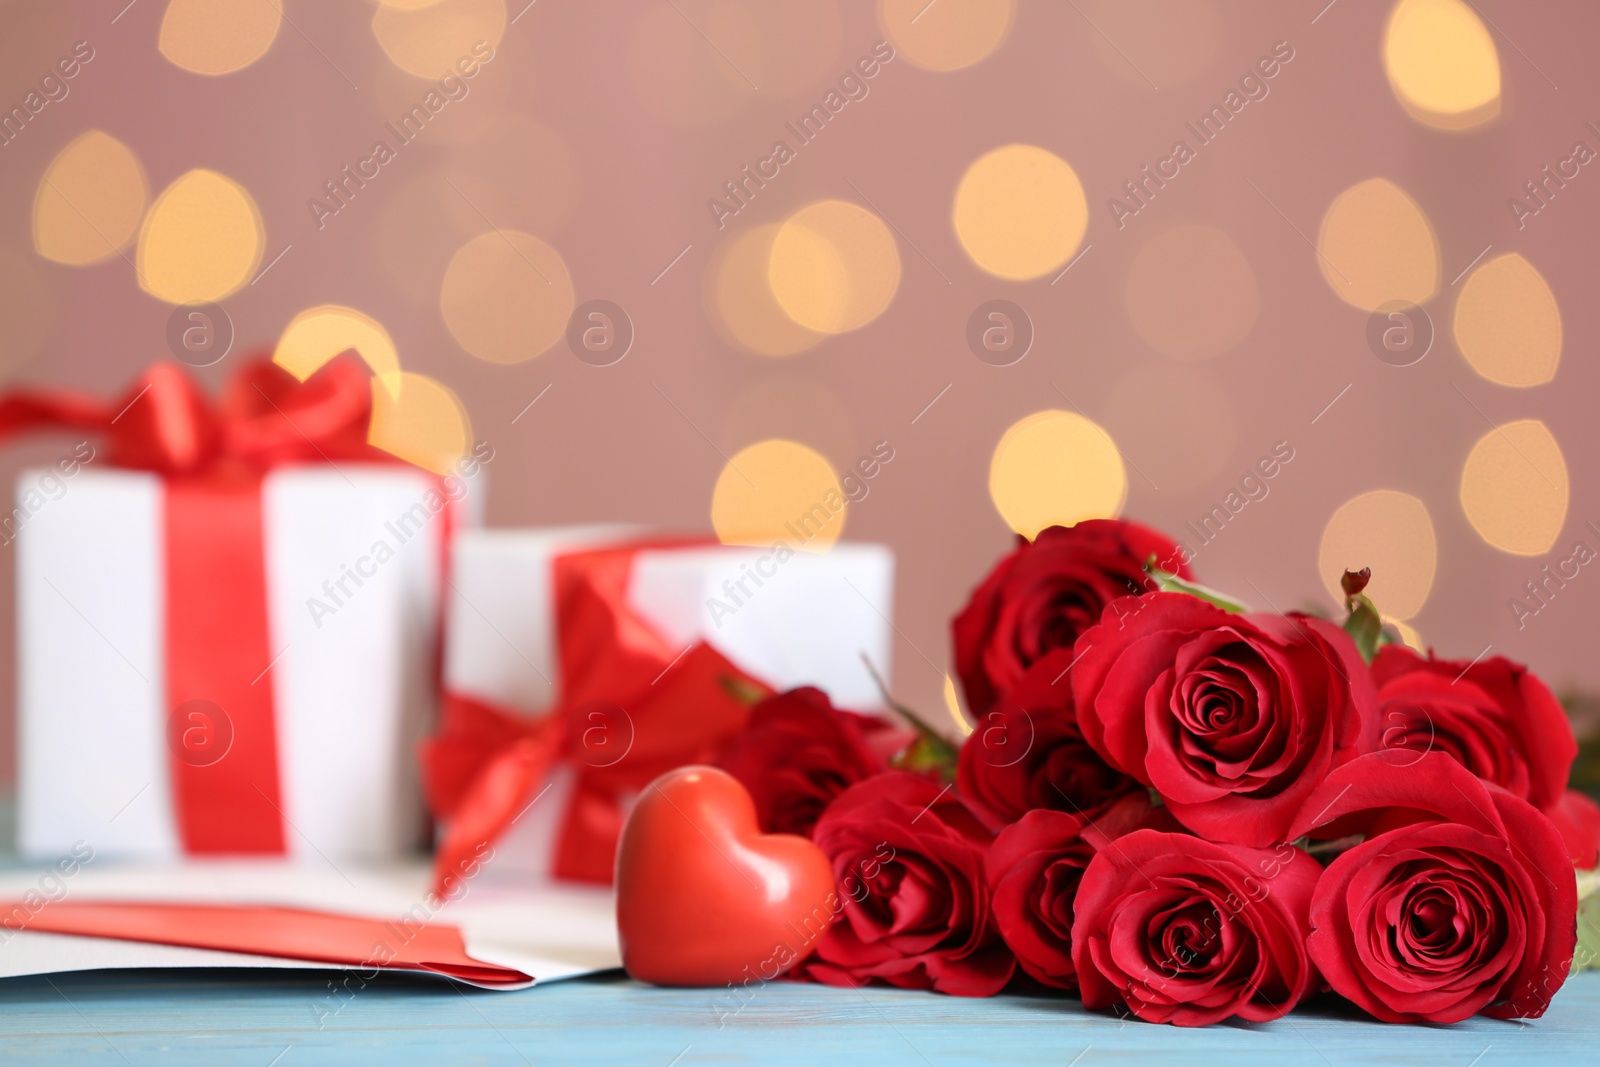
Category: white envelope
<point>546,931</point>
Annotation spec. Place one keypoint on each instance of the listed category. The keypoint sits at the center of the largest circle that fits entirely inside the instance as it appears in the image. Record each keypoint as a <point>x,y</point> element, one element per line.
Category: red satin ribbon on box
<point>212,457</point>
<point>486,763</point>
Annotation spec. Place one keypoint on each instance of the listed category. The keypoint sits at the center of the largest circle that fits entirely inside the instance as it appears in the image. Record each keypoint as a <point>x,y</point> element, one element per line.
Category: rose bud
<point>1233,719</point>
<point>1185,931</point>
<point>1461,900</point>
<point>1035,866</point>
<point>909,861</point>
<point>1045,593</point>
<point>799,752</point>
<point>1494,717</point>
<point>1027,752</point>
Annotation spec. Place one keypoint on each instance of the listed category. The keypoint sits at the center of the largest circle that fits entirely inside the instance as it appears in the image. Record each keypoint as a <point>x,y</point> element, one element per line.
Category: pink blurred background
<point>604,127</point>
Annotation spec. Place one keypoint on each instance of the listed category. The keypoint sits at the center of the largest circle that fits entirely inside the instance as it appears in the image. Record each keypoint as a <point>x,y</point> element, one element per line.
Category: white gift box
<point>352,681</point>
<point>809,622</point>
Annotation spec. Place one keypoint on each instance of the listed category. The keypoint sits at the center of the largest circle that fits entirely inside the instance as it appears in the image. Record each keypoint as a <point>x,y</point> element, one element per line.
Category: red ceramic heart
<point>704,898</point>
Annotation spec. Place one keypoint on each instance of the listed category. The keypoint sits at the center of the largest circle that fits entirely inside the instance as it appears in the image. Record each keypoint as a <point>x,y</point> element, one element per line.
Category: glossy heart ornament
<point>704,898</point>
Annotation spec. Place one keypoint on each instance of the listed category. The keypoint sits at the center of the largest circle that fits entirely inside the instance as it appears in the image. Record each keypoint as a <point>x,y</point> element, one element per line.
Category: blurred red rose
<point>1461,899</point>
<point>1045,593</point>
<point>909,861</point>
<point>799,752</point>
<point>1494,716</point>
<point>1185,931</point>
<point>1233,719</point>
<point>1035,866</point>
<point>1577,820</point>
<point>1027,752</point>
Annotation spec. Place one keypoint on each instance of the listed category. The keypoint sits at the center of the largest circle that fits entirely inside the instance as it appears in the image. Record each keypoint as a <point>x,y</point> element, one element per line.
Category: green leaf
<point>1586,957</point>
<point>1365,626</point>
<point>1167,582</point>
<point>929,751</point>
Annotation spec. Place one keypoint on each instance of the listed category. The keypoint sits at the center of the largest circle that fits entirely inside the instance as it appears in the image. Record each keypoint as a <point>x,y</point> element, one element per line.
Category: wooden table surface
<point>271,1019</point>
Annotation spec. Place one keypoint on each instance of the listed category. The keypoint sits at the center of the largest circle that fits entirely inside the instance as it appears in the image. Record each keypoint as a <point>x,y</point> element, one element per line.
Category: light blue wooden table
<point>268,1019</point>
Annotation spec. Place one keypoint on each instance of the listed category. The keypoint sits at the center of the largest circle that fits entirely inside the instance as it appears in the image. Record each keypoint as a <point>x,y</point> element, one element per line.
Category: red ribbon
<point>213,457</point>
<point>630,708</point>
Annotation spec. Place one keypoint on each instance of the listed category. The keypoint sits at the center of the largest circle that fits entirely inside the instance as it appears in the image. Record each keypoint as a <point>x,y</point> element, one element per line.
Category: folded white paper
<point>804,619</point>
<point>351,677</point>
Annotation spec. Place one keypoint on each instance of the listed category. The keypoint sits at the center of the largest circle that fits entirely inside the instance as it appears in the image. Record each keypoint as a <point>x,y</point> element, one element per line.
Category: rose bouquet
<point>1178,809</point>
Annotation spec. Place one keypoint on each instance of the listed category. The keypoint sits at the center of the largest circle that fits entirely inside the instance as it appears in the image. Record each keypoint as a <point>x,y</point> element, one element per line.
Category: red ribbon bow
<point>631,708</point>
<point>263,418</point>
<point>213,456</point>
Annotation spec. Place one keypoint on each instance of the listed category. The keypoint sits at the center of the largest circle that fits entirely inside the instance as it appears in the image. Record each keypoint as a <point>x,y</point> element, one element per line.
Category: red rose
<point>1027,752</point>
<point>1186,931</point>
<point>1461,899</point>
<point>1035,866</point>
<point>1047,592</point>
<point>1493,716</point>
<point>799,752</point>
<point>1233,719</point>
<point>909,861</point>
<point>1577,820</point>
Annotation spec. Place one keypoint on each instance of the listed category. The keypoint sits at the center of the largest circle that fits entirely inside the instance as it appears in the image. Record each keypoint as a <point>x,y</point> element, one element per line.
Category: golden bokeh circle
<point>420,420</point>
<point>1408,634</point>
<point>201,240</point>
<point>1192,294</point>
<point>89,201</point>
<point>740,302</point>
<point>1056,468</point>
<point>506,296</point>
<point>1514,488</point>
<point>430,41</point>
<point>1390,532</point>
<point>218,36</point>
<point>1442,63</point>
<point>775,491</point>
<point>1376,247</point>
<point>1020,211</point>
<point>834,266</point>
<point>317,335</point>
<point>947,34</point>
<point>1508,324</point>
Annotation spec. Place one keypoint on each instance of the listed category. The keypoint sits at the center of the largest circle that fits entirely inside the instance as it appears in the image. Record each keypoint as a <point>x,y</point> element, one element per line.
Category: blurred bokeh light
<point>1055,468</point>
<point>202,239</point>
<point>420,420</point>
<point>1390,532</point>
<point>429,40</point>
<point>833,266</point>
<point>506,296</point>
<point>779,491</point>
<point>1442,63</point>
<point>1020,211</point>
<point>1514,488</point>
<point>89,201</point>
<point>1376,247</point>
<point>318,334</point>
<point>949,34</point>
<point>1507,323</point>
<point>218,36</point>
